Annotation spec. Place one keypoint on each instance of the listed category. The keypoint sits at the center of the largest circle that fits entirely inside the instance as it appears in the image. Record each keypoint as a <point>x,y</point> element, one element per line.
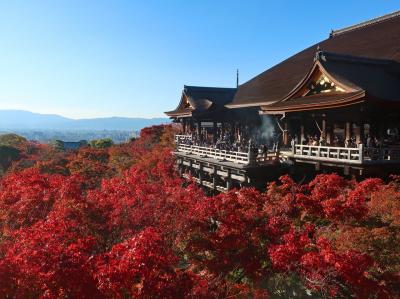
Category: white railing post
<point>361,152</point>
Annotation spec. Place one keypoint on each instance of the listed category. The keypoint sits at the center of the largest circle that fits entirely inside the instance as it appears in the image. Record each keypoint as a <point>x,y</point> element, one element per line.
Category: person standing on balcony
<point>322,141</point>
<point>315,141</point>
<point>276,139</point>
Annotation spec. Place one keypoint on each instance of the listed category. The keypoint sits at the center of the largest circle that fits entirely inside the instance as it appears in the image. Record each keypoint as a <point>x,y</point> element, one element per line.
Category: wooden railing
<point>223,155</point>
<point>348,155</point>
<point>328,153</point>
<point>251,157</point>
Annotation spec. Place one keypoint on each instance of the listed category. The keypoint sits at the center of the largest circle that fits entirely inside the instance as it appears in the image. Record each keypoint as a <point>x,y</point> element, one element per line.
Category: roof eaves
<point>348,99</point>
<point>234,106</point>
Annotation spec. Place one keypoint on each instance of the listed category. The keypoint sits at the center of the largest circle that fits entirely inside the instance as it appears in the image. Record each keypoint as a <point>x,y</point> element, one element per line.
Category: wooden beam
<point>285,133</point>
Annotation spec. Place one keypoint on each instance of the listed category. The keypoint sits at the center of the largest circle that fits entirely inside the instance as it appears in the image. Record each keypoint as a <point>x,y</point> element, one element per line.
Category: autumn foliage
<point>118,222</point>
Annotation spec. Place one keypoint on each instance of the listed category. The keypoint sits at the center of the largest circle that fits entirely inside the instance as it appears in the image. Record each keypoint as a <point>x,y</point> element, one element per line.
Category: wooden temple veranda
<point>333,107</point>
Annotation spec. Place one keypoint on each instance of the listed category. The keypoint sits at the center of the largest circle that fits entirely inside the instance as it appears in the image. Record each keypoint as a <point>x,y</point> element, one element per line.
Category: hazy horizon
<point>81,118</point>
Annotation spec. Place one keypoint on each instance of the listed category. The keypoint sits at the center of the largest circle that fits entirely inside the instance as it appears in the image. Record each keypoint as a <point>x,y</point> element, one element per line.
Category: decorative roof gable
<point>318,80</point>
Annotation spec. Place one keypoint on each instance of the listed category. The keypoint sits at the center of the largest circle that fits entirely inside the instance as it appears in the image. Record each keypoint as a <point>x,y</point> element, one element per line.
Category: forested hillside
<point>118,222</point>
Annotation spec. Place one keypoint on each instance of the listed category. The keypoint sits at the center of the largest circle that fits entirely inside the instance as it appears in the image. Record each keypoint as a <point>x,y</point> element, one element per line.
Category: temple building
<point>334,106</point>
<point>203,110</point>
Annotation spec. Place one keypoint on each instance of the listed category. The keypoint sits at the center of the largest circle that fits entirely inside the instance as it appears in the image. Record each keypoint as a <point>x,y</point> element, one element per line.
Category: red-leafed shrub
<point>142,267</point>
<point>118,222</point>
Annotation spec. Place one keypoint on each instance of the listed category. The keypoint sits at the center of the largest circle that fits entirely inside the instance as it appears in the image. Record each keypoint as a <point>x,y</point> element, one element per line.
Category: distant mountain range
<point>20,119</point>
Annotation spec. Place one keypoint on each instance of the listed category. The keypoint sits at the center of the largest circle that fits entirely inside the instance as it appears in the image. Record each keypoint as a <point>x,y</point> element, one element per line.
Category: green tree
<point>101,143</point>
<point>12,140</point>
<point>58,145</point>
<point>8,154</point>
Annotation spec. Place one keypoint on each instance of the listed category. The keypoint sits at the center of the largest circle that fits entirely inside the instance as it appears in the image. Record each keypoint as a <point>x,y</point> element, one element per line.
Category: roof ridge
<point>365,23</point>
<point>208,87</point>
<point>352,58</point>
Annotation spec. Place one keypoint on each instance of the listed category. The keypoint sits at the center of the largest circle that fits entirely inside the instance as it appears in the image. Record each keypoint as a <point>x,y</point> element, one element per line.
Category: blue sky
<point>132,58</point>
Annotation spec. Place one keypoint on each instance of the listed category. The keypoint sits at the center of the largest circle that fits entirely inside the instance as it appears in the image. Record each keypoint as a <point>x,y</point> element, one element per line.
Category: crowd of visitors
<point>321,141</point>
<point>369,142</point>
<point>238,142</point>
<point>245,142</point>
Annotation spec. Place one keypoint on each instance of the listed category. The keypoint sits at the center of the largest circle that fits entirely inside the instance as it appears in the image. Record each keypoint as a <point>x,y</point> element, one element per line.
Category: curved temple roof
<point>351,78</point>
<point>377,39</point>
<point>196,99</point>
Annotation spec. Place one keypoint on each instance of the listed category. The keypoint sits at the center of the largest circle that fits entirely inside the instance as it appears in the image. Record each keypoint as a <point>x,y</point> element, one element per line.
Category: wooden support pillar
<point>348,131</point>
<point>323,133</point>
<point>190,126</point>
<point>201,177</point>
<point>215,178</point>
<point>285,135</point>
<point>346,170</point>
<point>362,132</point>
<point>229,180</point>
<point>180,166</point>
<point>302,136</point>
<point>183,126</point>
<point>201,174</point>
<point>329,134</point>
<point>215,131</point>
<point>190,167</point>
<point>358,133</point>
<point>198,128</point>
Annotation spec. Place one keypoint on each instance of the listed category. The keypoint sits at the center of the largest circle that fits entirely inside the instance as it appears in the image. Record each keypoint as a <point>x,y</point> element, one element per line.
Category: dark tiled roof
<point>203,99</point>
<point>378,39</point>
<point>380,79</point>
